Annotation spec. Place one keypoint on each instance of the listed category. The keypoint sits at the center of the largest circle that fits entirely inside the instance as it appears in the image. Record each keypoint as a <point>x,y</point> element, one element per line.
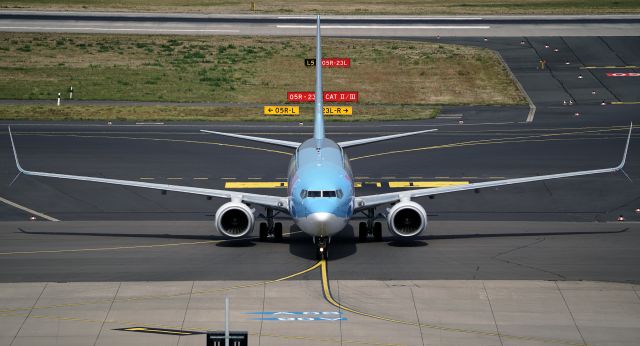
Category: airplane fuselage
<point>321,190</point>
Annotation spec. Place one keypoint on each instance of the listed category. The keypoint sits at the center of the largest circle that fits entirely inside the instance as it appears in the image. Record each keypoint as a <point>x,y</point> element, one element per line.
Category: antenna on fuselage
<point>318,124</point>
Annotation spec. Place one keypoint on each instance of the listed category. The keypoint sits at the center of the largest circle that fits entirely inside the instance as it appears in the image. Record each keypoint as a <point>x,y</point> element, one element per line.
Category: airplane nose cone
<point>322,224</point>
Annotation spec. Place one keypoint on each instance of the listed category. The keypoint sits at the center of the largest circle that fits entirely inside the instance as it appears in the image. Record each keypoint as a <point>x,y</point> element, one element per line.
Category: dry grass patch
<point>246,70</point>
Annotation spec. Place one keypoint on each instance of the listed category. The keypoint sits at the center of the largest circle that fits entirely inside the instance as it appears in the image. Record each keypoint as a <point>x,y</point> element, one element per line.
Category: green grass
<point>416,7</point>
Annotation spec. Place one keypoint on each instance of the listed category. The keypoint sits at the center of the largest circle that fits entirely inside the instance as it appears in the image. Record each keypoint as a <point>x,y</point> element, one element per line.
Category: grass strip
<point>182,113</point>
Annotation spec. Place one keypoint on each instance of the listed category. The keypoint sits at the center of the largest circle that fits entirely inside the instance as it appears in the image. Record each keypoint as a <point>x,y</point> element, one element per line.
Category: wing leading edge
<point>279,203</point>
<point>370,201</point>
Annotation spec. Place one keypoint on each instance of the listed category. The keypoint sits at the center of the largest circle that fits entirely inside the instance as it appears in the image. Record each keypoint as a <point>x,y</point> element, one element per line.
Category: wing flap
<point>276,202</point>
<point>386,198</point>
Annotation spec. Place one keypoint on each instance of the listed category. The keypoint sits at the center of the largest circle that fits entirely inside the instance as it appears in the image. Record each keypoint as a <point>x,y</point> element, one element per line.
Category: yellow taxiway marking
<point>625,103</point>
<point>156,140</point>
<point>109,248</point>
<point>157,331</point>
<point>607,67</point>
<point>547,137</point>
<point>28,210</point>
<point>399,184</point>
<point>256,185</point>
<point>162,296</point>
<point>359,184</point>
<point>326,290</point>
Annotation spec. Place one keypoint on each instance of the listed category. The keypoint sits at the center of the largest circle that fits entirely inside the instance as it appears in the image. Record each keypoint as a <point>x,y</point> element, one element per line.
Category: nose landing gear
<point>321,252</point>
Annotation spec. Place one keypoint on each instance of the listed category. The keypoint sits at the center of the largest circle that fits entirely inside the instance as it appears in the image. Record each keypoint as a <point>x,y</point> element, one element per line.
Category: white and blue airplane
<point>321,198</point>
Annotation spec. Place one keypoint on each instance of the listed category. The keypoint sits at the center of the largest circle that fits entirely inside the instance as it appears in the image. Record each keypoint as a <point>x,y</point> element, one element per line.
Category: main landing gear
<point>270,228</point>
<point>370,227</point>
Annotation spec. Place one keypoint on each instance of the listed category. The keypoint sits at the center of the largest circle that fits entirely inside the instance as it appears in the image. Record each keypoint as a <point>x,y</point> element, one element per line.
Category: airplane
<point>320,198</point>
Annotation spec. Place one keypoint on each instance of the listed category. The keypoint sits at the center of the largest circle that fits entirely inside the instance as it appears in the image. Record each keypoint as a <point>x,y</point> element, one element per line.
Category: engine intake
<point>407,219</point>
<point>234,219</point>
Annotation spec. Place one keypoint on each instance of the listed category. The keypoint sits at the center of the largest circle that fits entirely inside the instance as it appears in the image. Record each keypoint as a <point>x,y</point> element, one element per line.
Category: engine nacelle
<point>407,219</point>
<point>234,219</point>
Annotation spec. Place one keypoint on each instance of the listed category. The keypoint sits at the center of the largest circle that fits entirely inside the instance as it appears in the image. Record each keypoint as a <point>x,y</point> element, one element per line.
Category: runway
<point>194,24</point>
<point>123,258</point>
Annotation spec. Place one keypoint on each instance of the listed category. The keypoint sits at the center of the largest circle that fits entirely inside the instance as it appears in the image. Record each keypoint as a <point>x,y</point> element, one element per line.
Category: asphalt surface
<point>493,143</point>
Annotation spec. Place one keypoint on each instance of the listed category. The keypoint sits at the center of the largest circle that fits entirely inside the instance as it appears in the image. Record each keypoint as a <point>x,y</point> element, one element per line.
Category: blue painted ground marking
<point>298,316</point>
<point>300,319</point>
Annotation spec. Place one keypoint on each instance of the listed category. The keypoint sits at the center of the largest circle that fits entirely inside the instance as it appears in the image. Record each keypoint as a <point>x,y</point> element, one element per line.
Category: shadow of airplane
<point>342,245</point>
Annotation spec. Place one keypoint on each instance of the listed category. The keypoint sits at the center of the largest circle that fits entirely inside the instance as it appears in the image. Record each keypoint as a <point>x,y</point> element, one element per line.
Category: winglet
<point>15,155</point>
<point>626,149</point>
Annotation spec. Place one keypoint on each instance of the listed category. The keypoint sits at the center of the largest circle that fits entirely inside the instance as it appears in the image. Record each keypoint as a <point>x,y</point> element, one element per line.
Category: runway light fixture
<point>621,218</point>
<point>637,210</point>
<point>546,46</point>
<point>32,218</point>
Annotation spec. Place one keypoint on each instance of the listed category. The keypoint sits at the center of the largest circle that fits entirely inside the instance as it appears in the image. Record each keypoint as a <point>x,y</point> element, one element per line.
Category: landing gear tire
<point>264,231</point>
<point>377,231</point>
<point>362,232</point>
<point>277,231</point>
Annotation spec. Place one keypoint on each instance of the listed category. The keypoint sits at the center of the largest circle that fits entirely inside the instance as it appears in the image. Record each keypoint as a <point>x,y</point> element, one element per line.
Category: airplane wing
<point>257,139</point>
<point>278,203</point>
<point>371,201</point>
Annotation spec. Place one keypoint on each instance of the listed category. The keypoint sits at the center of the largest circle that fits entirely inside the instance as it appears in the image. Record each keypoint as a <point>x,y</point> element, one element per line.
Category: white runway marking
<point>391,18</point>
<point>469,27</point>
<point>112,29</point>
<point>31,211</point>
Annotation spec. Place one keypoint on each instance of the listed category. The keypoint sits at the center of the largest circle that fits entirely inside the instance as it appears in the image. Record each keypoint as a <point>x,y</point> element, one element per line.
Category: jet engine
<point>407,219</point>
<point>234,219</point>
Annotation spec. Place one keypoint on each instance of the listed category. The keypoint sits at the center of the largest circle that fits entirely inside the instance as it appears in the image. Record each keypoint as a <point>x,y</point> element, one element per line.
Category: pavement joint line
<point>160,326</point>
<point>493,315</point>
<point>326,290</point>
<point>518,139</point>
<point>28,210</point>
<point>570,312</point>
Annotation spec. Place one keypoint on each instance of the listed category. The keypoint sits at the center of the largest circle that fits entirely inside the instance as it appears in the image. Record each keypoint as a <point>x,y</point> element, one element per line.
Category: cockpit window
<point>314,194</point>
<point>328,193</point>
